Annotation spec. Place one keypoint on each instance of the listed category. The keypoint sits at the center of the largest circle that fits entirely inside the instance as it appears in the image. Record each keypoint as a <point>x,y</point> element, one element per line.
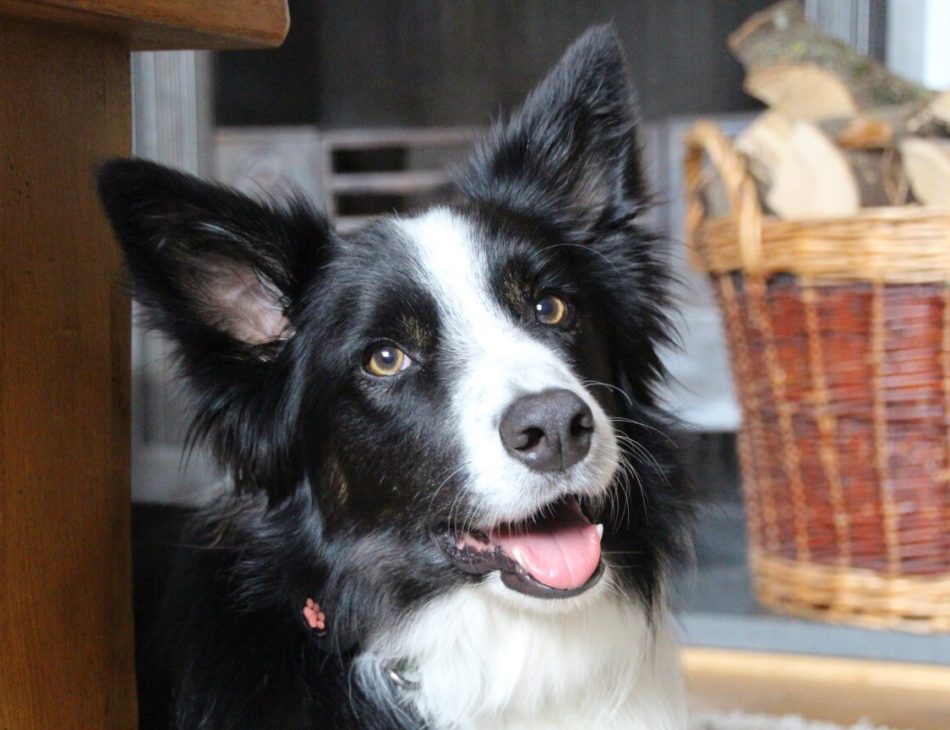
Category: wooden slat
<point>911,696</point>
<point>375,138</point>
<point>167,24</point>
<point>398,183</point>
<point>65,565</point>
<point>344,223</point>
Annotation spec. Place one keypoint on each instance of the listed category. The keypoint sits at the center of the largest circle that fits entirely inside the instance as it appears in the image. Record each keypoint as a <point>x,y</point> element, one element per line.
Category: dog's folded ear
<point>207,260</point>
<point>571,149</point>
<point>222,276</point>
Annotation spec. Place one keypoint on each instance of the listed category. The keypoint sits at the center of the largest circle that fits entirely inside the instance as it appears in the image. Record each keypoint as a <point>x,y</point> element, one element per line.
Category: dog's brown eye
<point>386,360</point>
<point>550,309</point>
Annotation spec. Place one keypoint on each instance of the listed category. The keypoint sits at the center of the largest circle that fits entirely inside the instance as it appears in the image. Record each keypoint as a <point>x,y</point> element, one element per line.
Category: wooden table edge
<point>163,25</point>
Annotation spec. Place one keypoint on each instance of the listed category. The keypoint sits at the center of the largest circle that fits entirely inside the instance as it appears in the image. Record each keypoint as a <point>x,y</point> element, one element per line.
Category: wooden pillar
<point>66,658</point>
<point>65,572</point>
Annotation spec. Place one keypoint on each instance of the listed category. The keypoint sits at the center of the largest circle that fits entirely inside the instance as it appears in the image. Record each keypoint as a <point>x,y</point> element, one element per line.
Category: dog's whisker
<point>622,552</point>
<point>641,424</point>
<point>629,470</point>
<point>442,485</point>
<point>601,384</point>
<point>644,454</point>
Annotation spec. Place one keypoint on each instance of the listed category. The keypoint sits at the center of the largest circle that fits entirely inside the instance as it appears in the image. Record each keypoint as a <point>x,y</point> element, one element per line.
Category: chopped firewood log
<point>877,129</point>
<point>863,132</point>
<point>880,177</point>
<point>793,67</point>
<point>812,178</point>
<point>940,107</point>
<point>800,173</point>
<point>927,166</point>
<point>806,91</point>
<point>764,142</point>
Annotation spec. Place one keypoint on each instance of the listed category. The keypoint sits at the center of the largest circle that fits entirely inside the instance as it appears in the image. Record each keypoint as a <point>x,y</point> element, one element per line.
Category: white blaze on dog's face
<point>497,363</point>
<point>534,444</point>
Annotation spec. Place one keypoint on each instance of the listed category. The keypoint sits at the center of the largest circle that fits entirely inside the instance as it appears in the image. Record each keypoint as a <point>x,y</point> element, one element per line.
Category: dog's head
<point>460,392</point>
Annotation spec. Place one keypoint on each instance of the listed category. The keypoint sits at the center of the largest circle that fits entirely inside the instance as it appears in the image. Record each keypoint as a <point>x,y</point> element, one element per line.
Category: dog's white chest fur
<point>483,661</point>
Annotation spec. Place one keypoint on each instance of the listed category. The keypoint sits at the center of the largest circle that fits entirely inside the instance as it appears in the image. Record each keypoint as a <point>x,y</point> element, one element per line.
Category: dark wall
<point>426,62</point>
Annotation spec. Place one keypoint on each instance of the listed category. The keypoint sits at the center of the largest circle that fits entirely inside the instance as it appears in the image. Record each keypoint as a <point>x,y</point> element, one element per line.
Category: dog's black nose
<point>548,431</point>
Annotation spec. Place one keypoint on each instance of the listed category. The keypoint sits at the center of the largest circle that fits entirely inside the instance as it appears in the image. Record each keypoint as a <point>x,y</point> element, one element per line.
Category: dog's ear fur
<point>571,150</point>
<point>207,260</point>
<point>222,276</point>
<point>568,160</point>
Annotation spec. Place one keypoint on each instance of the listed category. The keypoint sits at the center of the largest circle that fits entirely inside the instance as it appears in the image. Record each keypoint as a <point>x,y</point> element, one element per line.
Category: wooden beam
<point>388,183</point>
<point>65,568</point>
<point>820,688</point>
<point>167,24</point>
<point>66,648</point>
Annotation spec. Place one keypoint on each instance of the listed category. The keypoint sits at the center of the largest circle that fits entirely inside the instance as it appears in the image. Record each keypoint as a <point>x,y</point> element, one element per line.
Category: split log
<point>801,173</point>
<point>882,128</point>
<point>764,143</point>
<point>806,91</point>
<point>927,165</point>
<point>793,67</point>
<point>811,178</point>
<point>880,177</point>
<point>940,107</point>
<point>861,132</point>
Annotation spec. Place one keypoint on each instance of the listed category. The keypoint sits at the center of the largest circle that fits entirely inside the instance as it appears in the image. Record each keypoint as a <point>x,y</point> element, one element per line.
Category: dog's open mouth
<point>553,555</point>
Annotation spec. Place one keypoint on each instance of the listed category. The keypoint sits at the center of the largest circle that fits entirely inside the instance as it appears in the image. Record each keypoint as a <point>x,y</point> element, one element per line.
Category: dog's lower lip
<point>522,582</point>
<point>556,554</point>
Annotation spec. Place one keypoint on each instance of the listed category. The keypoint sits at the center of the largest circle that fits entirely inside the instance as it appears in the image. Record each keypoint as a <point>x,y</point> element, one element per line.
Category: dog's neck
<point>474,660</point>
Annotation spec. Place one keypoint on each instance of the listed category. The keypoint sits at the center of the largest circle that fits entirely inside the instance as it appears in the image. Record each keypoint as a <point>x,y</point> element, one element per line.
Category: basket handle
<point>706,139</point>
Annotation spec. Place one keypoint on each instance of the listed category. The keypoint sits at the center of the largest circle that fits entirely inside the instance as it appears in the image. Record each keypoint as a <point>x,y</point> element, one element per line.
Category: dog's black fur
<point>310,440</point>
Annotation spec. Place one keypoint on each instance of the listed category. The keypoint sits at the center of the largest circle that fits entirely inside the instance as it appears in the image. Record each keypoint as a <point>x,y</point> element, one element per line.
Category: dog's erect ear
<point>222,275</point>
<point>206,259</point>
<point>571,149</point>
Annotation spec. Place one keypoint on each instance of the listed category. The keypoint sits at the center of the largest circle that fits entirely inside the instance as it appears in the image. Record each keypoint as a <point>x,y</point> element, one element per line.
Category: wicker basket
<point>839,332</point>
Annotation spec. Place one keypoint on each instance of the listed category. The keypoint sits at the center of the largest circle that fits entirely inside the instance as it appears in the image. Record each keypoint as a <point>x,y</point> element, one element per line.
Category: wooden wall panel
<point>421,63</point>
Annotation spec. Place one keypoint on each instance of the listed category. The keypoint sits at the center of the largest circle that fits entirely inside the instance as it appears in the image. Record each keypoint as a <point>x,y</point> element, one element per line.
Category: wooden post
<point>66,658</point>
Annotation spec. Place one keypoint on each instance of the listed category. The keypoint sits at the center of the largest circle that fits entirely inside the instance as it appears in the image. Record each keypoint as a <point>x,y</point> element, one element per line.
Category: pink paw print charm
<point>314,616</point>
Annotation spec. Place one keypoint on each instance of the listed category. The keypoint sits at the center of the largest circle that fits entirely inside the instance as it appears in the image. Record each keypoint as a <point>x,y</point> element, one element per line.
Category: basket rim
<point>880,245</point>
<point>854,596</point>
<point>896,244</point>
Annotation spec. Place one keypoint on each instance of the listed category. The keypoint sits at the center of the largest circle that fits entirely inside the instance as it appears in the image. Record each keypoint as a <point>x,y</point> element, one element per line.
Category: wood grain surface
<point>909,696</point>
<point>65,597</point>
<point>167,24</point>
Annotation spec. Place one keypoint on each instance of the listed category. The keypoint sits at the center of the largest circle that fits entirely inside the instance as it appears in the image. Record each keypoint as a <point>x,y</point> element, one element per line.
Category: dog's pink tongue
<point>562,552</point>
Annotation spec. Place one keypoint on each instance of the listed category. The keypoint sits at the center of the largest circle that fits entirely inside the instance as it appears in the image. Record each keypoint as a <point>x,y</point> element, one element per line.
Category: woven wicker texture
<point>839,334</point>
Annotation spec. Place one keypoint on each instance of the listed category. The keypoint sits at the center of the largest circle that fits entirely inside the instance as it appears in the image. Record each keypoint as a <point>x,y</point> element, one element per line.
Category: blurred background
<point>367,102</point>
<point>362,108</point>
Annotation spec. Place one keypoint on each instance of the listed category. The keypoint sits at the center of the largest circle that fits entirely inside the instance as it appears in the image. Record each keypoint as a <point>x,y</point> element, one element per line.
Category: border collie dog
<point>453,504</point>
